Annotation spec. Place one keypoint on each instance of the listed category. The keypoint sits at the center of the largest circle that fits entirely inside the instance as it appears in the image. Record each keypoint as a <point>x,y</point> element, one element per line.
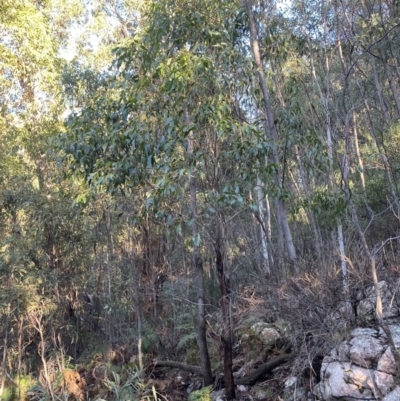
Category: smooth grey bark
<point>378,88</point>
<point>360,165</point>
<point>302,182</point>
<point>272,135</point>
<point>263,231</point>
<point>136,297</point>
<point>5,350</point>
<point>264,216</point>
<point>329,141</point>
<point>198,264</point>
<point>392,84</point>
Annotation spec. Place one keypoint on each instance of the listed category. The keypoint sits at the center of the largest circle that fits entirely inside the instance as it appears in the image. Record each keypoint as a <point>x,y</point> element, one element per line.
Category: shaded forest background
<point>172,169</point>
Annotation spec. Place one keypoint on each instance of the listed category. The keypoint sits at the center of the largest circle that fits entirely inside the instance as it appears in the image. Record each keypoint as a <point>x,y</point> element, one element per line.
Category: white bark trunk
<point>263,231</point>
<point>272,135</point>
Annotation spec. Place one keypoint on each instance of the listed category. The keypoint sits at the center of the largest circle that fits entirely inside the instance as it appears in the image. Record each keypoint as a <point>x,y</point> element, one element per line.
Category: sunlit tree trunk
<point>5,350</point>
<point>263,227</point>
<point>360,165</point>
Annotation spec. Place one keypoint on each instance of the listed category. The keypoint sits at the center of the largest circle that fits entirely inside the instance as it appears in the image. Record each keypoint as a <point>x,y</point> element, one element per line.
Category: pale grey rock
<point>290,381</point>
<point>319,390</point>
<point>363,368</point>
<point>365,350</point>
<point>346,381</point>
<point>217,395</point>
<point>391,312</point>
<point>395,330</point>
<point>270,335</point>
<point>366,306</point>
<point>343,352</point>
<point>258,327</point>
<point>364,331</point>
<point>386,363</point>
<point>394,395</point>
<point>339,382</point>
<point>329,358</point>
<point>384,382</point>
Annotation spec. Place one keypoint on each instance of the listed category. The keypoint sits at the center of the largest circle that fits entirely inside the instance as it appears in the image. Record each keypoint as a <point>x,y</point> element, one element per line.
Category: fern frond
<point>186,339</point>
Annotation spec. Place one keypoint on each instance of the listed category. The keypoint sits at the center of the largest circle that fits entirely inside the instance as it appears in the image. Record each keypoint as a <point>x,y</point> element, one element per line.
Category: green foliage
<point>201,395</point>
<point>24,383</point>
<point>186,340</point>
<point>98,147</point>
<point>18,389</point>
<point>328,207</point>
<point>131,388</point>
<point>149,338</point>
<point>9,394</point>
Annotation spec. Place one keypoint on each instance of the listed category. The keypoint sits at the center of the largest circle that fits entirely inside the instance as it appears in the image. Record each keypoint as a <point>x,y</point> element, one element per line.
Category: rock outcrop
<point>363,367</point>
<point>267,334</point>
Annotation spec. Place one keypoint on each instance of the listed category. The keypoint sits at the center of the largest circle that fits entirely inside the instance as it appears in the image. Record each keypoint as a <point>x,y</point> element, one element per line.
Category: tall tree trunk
<point>5,350</point>
<point>329,142</point>
<point>384,160</point>
<point>263,228</point>
<point>272,135</point>
<point>264,215</point>
<point>198,264</point>
<point>301,176</point>
<point>137,272</point>
<point>378,87</point>
<point>374,275</point>
<point>224,283</point>
<point>392,83</point>
<point>360,165</point>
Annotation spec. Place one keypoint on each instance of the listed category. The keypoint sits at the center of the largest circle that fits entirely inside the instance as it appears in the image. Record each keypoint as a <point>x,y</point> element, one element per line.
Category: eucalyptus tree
<point>30,190</point>
<point>165,121</point>
<point>45,233</point>
<point>272,135</point>
<point>351,87</point>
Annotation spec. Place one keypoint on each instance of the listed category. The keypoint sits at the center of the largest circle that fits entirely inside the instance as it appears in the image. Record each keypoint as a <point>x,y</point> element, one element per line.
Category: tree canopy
<point>161,160</point>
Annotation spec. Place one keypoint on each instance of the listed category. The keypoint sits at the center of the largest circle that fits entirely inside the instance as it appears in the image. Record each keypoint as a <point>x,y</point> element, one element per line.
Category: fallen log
<point>249,379</point>
<point>178,365</point>
<point>265,368</point>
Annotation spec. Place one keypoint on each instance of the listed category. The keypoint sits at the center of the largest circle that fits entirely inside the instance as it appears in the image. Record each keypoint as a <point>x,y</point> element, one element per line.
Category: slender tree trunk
<point>378,88</point>
<point>272,134</point>
<point>136,296</point>
<point>110,251</point>
<point>198,263</point>
<point>374,275</point>
<point>360,166</point>
<point>384,160</point>
<point>263,229</point>
<point>302,177</point>
<point>36,321</point>
<point>392,83</point>
<point>224,283</point>
<point>339,227</point>
<point>5,350</point>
